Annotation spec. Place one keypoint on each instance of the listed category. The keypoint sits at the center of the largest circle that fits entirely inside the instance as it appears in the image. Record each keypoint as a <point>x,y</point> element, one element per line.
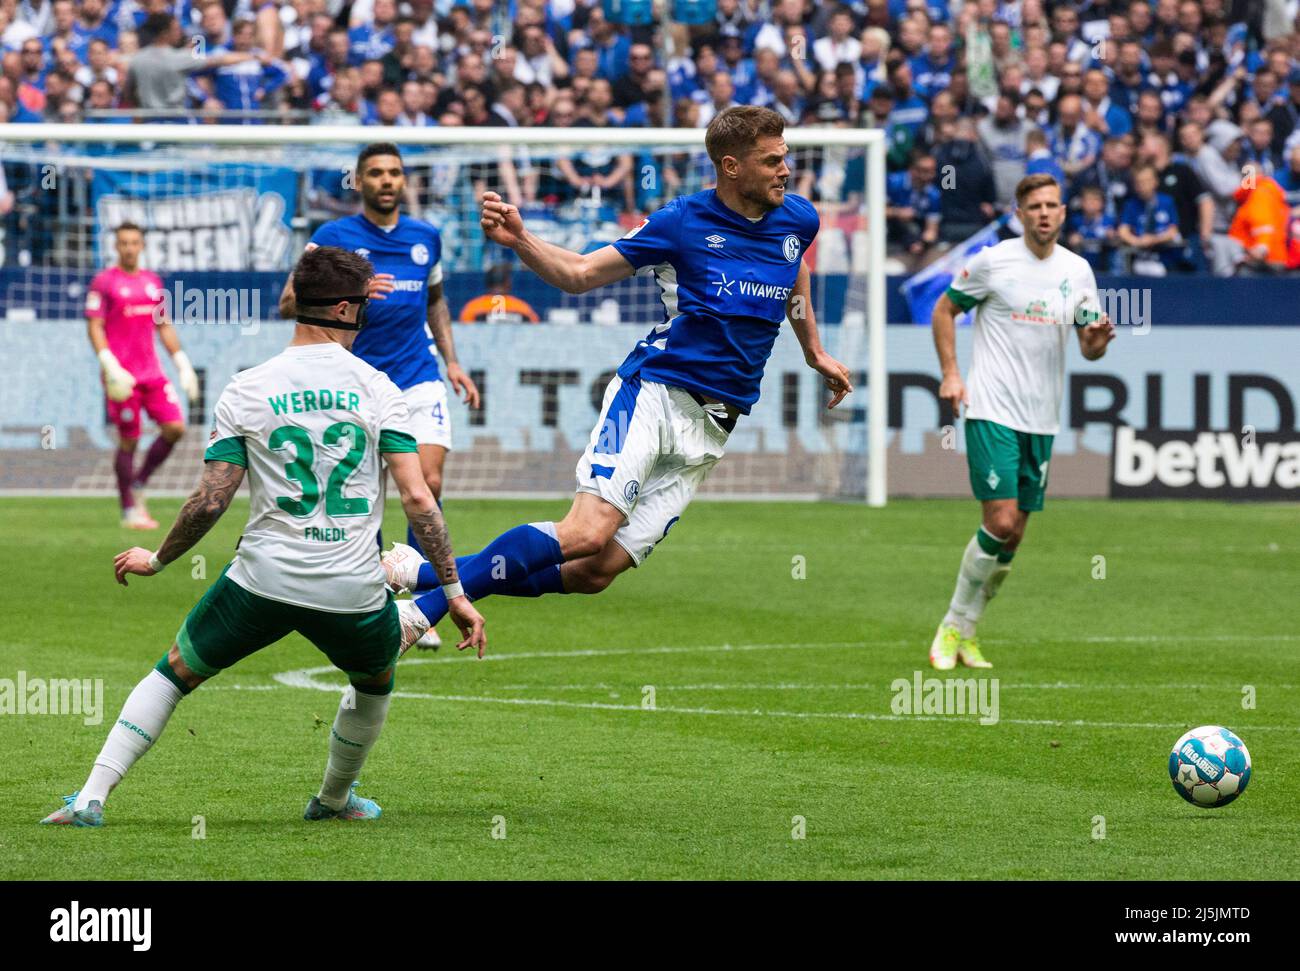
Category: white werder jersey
<point>309,425</point>
<point>1026,311</point>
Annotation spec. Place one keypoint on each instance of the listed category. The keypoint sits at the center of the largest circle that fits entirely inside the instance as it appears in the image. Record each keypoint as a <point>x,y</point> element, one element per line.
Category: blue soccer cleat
<point>92,815</point>
<point>357,807</point>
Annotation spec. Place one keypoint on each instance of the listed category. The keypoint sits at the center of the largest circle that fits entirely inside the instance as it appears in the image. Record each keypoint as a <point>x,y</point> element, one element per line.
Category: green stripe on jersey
<point>963,300</point>
<point>395,441</point>
<point>228,450</point>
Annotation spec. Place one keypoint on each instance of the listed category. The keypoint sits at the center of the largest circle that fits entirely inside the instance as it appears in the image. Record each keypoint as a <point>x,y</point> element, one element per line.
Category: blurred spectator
<point>539,61</point>
<point>967,192</point>
<point>1289,178</point>
<point>1074,145</point>
<point>1259,226</point>
<point>912,207</point>
<point>1192,200</point>
<point>839,46</point>
<point>1149,225</point>
<point>630,88</point>
<point>1003,135</point>
<point>1257,151</point>
<point>246,84</point>
<point>1090,232</point>
<point>1039,157</point>
<point>722,95</point>
<point>787,97</point>
<point>158,72</point>
<point>372,40</point>
<point>343,104</point>
<point>498,305</point>
<point>1100,113</point>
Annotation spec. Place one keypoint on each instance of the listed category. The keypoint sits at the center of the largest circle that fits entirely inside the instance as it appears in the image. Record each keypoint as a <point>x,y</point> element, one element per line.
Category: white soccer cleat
<point>402,567</point>
<point>414,624</point>
<point>429,641</point>
<point>136,518</point>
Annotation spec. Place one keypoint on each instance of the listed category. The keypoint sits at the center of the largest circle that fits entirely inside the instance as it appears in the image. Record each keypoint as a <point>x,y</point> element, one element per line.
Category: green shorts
<point>229,623</point>
<point>1007,464</point>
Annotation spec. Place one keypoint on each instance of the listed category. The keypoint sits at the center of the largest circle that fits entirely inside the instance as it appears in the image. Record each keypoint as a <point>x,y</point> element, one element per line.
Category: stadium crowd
<point>1174,124</point>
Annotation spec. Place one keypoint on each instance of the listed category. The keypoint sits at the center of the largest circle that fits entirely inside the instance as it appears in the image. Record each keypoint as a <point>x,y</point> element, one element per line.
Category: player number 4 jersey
<point>1026,310</point>
<point>309,426</point>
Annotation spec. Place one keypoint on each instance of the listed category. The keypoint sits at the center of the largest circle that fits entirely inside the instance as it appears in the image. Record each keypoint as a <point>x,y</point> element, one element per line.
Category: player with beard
<point>1028,293</point>
<point>408,314</point>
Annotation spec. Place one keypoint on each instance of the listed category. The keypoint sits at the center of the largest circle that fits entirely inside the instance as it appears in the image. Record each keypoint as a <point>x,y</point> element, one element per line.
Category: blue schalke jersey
<point>396,337</point>
<point>724,282</point>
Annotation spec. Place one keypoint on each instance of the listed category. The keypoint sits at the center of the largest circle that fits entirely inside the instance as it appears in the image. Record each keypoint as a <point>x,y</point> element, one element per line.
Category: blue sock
<point>507,563</point>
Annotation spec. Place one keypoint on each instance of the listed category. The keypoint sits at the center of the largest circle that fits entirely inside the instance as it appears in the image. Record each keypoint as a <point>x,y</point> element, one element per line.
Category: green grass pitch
<point>772,698</point>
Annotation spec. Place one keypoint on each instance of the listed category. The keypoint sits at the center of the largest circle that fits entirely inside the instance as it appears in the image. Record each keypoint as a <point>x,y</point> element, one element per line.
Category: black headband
<point>334,322</point>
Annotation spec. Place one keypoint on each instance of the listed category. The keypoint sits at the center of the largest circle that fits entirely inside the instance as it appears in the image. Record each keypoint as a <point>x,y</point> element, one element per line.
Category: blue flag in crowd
<point>924,289</point>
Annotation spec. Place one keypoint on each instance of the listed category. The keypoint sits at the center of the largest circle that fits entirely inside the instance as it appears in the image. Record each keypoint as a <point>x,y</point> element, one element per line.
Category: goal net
<point>227,210</point>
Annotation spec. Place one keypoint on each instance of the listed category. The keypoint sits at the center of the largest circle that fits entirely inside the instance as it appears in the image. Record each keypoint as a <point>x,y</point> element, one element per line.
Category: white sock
<point>142,720</point>
<point>989,591</point>
<point>356,727</point>
<point>976,567</point>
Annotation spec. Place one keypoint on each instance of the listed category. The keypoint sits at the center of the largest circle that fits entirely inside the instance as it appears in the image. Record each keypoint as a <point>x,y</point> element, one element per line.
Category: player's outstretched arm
<point>430,530</point>
<point>571,272</point>
<point>799,309</point>
<point>943,322</point>
<point>202,509</point>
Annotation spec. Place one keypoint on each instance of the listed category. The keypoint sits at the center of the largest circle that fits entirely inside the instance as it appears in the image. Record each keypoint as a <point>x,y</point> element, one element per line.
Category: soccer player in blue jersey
<point>407,309</point>
<point>729,264</point>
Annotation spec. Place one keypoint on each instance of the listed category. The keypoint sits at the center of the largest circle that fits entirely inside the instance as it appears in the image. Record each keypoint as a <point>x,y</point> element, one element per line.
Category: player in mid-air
<point>1028,293</point>
<point>407,255</point>
<point>309,428</point>
<point>729,264</point>
<point>124,310</point>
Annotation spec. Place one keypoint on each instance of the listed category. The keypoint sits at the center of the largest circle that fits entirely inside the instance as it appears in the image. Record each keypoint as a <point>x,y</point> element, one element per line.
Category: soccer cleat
<point>943,650</point>
<point>92,816</point>
<point>135,517</point>
<point>429,640</point>
<point>402,567</point>
<point>414,624</point>
<point>357,807</point>
<point>968,652</point>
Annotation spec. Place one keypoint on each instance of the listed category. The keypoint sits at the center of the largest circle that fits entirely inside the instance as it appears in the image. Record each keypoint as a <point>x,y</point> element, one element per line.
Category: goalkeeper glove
<point>118,382</point>
<point>189,380</point>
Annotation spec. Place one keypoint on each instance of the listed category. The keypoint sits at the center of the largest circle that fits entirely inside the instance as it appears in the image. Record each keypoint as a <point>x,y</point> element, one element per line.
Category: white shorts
<point>430,417</point>
<point>649,452</point>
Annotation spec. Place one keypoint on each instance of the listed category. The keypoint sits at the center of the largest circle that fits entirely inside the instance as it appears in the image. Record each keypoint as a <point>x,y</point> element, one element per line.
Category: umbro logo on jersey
<point>362,252</point>
<point>715,241</point>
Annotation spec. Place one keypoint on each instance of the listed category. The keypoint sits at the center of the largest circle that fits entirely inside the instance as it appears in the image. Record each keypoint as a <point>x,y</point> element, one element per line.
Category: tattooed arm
<point>430,530</point>
<point>440,326</point>
<point>204,507</point>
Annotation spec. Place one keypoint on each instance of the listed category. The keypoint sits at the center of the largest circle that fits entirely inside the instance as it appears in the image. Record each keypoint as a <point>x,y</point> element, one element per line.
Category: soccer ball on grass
<point>1209,766</point>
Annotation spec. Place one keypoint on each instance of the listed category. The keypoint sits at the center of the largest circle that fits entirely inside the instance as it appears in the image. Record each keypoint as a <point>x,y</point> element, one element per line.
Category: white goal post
<point>253,142</point>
